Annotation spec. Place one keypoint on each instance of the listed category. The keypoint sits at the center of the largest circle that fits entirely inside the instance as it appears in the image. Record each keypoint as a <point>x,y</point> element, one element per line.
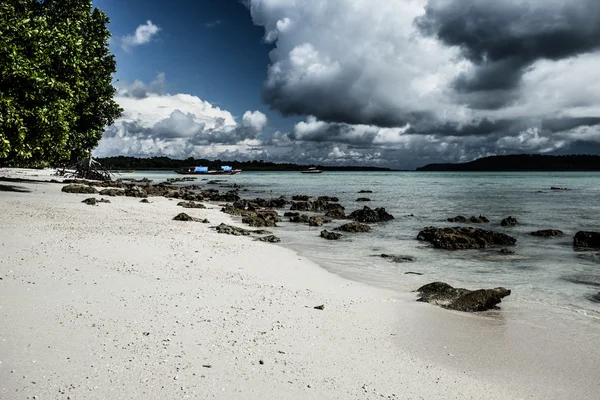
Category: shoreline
<point>106,275</point>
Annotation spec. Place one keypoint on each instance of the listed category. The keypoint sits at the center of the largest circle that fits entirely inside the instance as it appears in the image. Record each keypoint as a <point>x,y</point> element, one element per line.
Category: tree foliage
<point>56,92</point>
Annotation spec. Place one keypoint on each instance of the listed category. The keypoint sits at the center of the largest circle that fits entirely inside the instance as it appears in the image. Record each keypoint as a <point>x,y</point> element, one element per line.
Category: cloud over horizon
<point>142,35</point>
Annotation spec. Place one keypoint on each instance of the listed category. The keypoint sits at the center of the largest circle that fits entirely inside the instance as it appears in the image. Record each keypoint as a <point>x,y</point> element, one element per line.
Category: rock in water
<point>354,227</point>
<point>190,204</point>
<point>509,221</point>
<point>336,213</point>
<point>79,189</point>
<point>318,221</point>
<point>365,191</point>
<point>269,239</point>
<point>363,199</point>
<point>548,233</point>
<point>235,231</point>
<point>325,234</point>
<point>301,218</point>
<point>398,259</point>
<point>300,197</point>
<point>462,238</point>
<point>585,239</point>
<point>328,199</point>
<point>507,251</point>
<point>371,216</point>
<point>474,220</point>
<point>459,299</point>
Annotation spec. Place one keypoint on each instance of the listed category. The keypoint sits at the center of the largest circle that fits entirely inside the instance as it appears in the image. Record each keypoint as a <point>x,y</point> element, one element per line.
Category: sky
<point>391,83</point>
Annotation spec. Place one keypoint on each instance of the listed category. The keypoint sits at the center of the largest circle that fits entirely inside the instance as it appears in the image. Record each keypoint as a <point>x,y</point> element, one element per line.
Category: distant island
<point>523,162</point>
<point>166,163</point>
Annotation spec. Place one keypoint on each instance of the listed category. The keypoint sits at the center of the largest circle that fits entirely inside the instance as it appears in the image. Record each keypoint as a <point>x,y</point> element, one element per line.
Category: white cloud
<point>143,35</point>
<point>255,120</point>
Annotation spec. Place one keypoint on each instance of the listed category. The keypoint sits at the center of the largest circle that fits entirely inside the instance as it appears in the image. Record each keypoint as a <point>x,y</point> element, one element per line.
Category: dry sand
<point>118,301</point>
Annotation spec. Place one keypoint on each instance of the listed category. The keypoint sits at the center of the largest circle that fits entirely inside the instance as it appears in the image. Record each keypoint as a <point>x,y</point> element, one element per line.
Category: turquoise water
<point>544,274</point>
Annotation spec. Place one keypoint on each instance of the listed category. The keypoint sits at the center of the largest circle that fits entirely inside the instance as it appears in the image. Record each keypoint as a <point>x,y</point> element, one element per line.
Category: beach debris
<point>462,238</point>
<point>93,201</point>
<point>321,307</point>
<point>261,362</point>
<point>583,239</point>
<point>509,221</point>
<point>300,218</point>
<point>507,251</point>
<point>398,259</point>
<point>354,227</point>
<point>459,299</point>
<point>363,199</point>
<point>300,197</point>
<point>371,216</point>
<point>77,188</point>
<point>146,333</point>
<point>318,221</point>
<point>548,233</point>
<point>269,239</point>
<point>413,273</point>
<point>207,366</point>
<point>112,192</point>
<point>190,204</point>
<point>365,191</point>
<point>336,213</point>
<point>144,201</point>
<point>473,219</point>
<point>325,234</point>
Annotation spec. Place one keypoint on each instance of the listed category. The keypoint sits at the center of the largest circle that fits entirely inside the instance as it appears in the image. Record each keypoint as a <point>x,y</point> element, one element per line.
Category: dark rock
<point>321,307</point>
<point>183,179</point>
<point>461,238</point>
<point>269,239</point>
<point>328,199</point>
<point>135,191</point>
<point>584,239</point>
<point>235,231</point>
<point>413,273</point>
<point>558,188</point>
<point>509,221</point>
<point>336,213</point>
<point>232,210</point>
<point>459,299</point>
<point>318,221</point>
<point>291,214</point>
<point>216,181</point>
<point>76,188</point>
<point>371,216</point>
<point>354,227</point>
<point>301,218</point>
<point>262,218</point>
<point>112,192</point>
<point>474,220</point>
<point>300,197</point>
<point>144,201</point>
<point>596,297</point>
<point>190,204</point>
<point>363,199</point>
<point>548,233</point>
<point>398,259</point>
<point>300,206</point>
<point>325,234</point>
<point>365,191</point>
<point>184,217</point>
<point>334,206</point>
<point>507,251</point>
<point>91,201</point>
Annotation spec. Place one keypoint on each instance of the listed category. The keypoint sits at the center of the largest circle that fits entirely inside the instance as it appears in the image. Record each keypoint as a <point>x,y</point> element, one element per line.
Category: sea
<point>552,284</point>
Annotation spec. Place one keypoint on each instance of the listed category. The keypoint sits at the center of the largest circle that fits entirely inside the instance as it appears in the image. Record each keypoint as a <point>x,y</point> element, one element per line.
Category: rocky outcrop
<point>365,191</point>
<point>262,218</point>
<point>135,191</point>
<point>291,214</point>
<point>185,217</point>
<point>300,206</point>
<point>328,199</point>
<point>190,204</point>
<point>548,233</point>
<point>462,238</point>
<point>558,188</point>
<point>112,192</point>
<point>144,201</point>
<point>473,219</point>
<point>93,201</point>
<point>583,239</point>
<point>300,197</point>
<point>269,239</point>
<point>325,234</point>
<point>336,213</point>
<point>318,221</point>
<point>509,221</point>
<point>300,219</point>
<point>444,295</point>
<point>235,231</point>
<point>371,216</point>
<point>363,199</point>
<point>76,188</point>
<point>398,259</point>
<point>354,227</point>
<point>506,251</point>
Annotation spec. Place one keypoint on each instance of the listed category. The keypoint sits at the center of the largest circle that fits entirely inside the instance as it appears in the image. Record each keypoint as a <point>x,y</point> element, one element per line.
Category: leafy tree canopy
<point>56,92</point>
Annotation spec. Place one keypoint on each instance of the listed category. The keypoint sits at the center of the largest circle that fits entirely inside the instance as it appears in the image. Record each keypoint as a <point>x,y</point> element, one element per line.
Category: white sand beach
<point>118,301</point>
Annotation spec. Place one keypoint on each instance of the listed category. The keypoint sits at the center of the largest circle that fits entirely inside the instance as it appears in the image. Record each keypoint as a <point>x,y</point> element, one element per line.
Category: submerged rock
<point>365,191</point>
<point>291,214</point>
<point>336,213</point>
<point>76,188</point>
<point>363,199</point>
<point>459,299</point>
<point>398,259</point>
<point>354,227</point>
<point>548,233</point>
<point>462,238</point>
<point>507,251</point>
<point>371,216</point>
<point>318,221</point>
<point>558,188</point>
<point>585,239</point>
<point>300,206</point>
<point>300,197</point>
<point>269,239</point>
<point>473,219</point>
<point>328,199</point>
<point>325,234</point>
<point>509,221</point>
<point>190,204</point>
<point>300,219</point>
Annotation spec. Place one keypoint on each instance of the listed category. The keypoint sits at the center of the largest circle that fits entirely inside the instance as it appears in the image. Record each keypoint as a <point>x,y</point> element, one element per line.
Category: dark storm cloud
<point>503,38</point>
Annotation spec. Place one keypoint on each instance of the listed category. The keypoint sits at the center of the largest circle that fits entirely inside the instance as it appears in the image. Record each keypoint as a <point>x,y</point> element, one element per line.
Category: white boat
<point>312,170</point>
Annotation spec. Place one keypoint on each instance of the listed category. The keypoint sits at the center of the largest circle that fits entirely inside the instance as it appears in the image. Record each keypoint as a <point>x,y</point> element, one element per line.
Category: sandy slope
<point>118,301</point>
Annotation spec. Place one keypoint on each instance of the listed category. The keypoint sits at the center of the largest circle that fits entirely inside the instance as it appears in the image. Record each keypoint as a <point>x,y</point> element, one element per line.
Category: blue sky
<point>397,83</point>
